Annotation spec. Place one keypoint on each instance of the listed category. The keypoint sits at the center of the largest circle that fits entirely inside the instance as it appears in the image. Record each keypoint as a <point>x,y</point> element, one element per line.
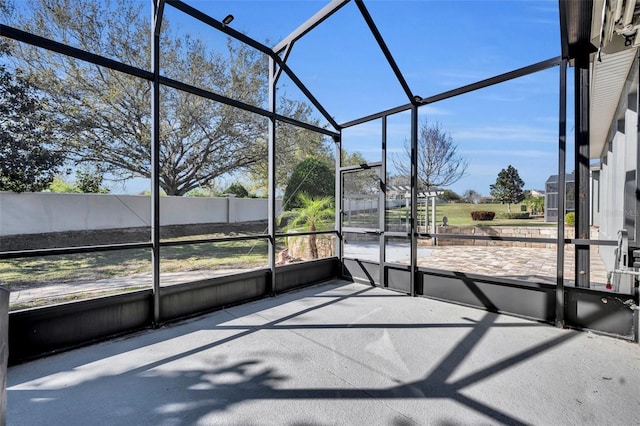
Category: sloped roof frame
<point>195,13</point>
<point>571,39</point>
<point>575,26</point>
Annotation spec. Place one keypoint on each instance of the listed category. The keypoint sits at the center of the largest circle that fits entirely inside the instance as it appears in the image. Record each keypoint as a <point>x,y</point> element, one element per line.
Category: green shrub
<point>237,189</point>
<point>514,215</point>
<point>311,176</point>
<point>570,219</point>
<point>482,215</point>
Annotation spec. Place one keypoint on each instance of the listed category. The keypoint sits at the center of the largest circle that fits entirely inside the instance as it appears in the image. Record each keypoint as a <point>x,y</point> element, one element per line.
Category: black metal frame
<point>575,45</point>
<point>157,80</point>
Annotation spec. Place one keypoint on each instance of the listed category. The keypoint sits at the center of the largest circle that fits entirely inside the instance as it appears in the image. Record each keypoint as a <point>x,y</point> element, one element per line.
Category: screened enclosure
<point>343,181</point>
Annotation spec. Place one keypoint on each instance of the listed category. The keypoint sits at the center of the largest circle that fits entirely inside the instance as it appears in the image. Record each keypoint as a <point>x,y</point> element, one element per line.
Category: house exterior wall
<point>618,204</point>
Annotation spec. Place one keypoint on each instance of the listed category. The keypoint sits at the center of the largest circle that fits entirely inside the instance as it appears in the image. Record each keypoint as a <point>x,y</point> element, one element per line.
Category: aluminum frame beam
<point>385,49</point>
<point>338,197</point>
<point>157,16</point>
<point>206,19</point>
<point>413,264</point>
<point>520,72</point>
<point>17,254</point>
<point>562,161</point>
<point>271,177</point>
<point>575,27</point>
<point>310,24</point>
<point>54,46</point>
<point>635,68</point>
<point>238,104</point>
<point>382,206</point>
<point>74,52</point>
<point>401,108</point>
<point>582,167</point>
<point>156,20</point>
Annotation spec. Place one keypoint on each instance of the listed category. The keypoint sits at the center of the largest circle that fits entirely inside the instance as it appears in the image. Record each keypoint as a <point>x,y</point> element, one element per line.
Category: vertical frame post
<point>414,199</point>
<point>562,161</point>
<point>272,177</point>
<point>382,204</point>
<point>582,197</point>
<point>434,227</point>
<point>156,22</point>
<point>338,200</point>
<point>636,212</point>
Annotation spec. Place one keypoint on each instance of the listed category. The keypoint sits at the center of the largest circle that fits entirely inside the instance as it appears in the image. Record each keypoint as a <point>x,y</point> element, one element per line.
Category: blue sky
<point>438,45</point>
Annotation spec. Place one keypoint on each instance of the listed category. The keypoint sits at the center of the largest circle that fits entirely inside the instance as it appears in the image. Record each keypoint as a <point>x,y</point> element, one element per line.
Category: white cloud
<point>432,110</point>
<point>510,133</point>
<point>526,153</point>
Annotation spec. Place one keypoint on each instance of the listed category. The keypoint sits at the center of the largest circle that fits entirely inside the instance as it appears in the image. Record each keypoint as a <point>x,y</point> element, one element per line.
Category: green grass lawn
<point>459,214</point>
<point>27,273</point>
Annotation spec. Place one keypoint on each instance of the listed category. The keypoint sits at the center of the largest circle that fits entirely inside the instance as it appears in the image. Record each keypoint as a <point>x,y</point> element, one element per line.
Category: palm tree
<point>313,214</point>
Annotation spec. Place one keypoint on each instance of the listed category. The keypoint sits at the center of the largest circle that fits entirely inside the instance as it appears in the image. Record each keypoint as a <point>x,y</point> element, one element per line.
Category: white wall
<point>34,213</point>
<point>620,160</point>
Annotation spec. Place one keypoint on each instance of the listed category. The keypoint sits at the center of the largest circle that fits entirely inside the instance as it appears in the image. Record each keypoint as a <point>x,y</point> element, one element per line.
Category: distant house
<point>537,193</point>
<point>487,200</point>
<point>551,194</point>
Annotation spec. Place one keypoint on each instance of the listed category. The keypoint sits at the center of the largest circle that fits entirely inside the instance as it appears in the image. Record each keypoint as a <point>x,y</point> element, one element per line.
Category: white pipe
<point>618,12</point>
<point>630,7</point>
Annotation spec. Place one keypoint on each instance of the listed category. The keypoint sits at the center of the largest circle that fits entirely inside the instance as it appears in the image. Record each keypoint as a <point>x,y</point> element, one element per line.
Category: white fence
<point>41,212</point>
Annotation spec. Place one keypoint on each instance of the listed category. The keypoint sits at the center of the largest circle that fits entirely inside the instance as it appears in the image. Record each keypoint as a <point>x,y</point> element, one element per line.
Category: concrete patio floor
<point>336,354</point>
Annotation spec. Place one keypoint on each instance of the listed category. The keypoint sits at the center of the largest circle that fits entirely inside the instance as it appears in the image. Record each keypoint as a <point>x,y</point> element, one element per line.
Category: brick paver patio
<point>522,263</point>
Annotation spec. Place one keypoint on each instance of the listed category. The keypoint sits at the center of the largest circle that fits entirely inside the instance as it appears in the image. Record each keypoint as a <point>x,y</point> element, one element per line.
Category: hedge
<point>482,215</point>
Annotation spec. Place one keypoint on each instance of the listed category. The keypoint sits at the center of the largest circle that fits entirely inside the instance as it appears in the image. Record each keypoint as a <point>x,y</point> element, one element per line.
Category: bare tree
<point>439,163</point>
<point>471,196</point>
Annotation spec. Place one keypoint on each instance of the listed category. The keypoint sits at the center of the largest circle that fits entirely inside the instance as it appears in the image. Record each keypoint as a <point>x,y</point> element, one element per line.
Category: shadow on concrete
<point>173,395</point>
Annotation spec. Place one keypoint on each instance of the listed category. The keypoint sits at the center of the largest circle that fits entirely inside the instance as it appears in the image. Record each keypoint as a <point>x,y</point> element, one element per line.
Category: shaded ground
<point>337,353</point>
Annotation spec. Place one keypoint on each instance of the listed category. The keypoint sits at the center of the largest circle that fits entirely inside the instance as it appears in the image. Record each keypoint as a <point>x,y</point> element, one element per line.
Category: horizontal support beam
<point>366,119</point>
<point>540,66</point>
<point>487,238</point>
<point>71,250</point>
<point>360,167</point>
<point>173,243</point>
<point>302,234</point>
<point>310,24</point>
<point>521,72</point>
<point>74,52</point>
